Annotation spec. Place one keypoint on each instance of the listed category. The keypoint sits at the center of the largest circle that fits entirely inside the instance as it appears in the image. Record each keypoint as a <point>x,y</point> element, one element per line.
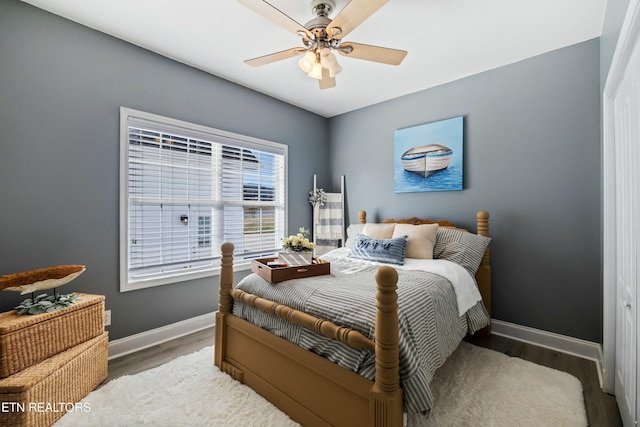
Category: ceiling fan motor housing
<point>318,25</point>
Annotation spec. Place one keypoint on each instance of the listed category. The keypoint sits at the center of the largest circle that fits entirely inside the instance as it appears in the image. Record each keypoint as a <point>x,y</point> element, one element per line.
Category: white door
<point>627,166</point>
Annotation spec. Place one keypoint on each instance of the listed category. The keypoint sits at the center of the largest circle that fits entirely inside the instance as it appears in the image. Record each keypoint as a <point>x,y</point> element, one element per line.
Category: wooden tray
<point>278,274</point>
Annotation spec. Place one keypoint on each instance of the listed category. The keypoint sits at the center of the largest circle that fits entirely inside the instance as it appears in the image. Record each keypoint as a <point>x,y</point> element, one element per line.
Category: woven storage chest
<point>27,340</point>
<point>38,396</point>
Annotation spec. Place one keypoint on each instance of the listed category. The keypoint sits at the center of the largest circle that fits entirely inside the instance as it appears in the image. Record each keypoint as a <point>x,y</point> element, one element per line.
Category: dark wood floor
<point>602,410</point>
<point>159,354</point>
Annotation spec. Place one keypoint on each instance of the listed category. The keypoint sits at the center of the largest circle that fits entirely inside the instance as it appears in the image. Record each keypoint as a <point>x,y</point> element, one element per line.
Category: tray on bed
<point>279,274</point>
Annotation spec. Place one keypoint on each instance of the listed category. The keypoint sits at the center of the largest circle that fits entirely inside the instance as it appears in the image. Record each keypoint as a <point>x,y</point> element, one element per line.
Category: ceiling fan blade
<point>351,16</point>
<point>367,52</point>
<point>273,57</point>
<point>275,15</point>
<point>327,82</point>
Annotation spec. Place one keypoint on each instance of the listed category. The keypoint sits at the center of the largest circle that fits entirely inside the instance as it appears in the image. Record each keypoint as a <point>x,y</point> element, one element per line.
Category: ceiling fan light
<point>316,71</point>
<point>306,62</point>
<point>329,61</point>
<point>334,69</point>
<point>326,57</point>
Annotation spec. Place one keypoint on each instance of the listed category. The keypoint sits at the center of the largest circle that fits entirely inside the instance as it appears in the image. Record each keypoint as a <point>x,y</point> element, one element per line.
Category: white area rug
<point>481,387</point>
<point>476,387</point>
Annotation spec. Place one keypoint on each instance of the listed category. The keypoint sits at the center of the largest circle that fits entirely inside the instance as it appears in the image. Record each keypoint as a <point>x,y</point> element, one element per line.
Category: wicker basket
<point>38,396</point>
<point>27,340</point>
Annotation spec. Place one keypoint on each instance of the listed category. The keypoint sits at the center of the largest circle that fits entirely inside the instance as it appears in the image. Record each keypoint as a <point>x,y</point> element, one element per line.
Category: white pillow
<point>379,231</point>
<point>352,232</point>
<point>422,239</point>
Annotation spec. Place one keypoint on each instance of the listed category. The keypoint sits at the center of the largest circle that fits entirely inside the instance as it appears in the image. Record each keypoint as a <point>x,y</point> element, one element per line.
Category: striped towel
<point>330,225</point>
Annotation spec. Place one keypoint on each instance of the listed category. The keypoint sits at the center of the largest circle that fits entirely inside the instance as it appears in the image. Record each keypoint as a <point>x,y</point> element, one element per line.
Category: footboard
<point>310,389</point>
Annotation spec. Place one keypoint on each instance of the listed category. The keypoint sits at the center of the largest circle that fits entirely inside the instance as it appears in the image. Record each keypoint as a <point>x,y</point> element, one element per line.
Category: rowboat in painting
<point>426,159</point>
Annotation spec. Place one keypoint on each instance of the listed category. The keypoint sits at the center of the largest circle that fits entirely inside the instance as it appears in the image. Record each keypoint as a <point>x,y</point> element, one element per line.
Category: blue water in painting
<point>446,132</point>
<point>445,180</point>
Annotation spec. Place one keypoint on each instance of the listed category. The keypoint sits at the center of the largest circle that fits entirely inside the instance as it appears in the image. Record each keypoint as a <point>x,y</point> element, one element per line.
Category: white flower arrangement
<point>298,242</point>
<point>317,197</point>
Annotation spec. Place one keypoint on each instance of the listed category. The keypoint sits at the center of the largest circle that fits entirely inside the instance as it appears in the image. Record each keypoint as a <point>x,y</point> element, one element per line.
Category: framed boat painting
<point>429,157</point>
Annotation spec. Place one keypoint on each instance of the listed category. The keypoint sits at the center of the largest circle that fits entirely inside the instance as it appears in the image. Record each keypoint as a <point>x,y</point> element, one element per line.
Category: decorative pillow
<point>390,251</point>
<point>379,231</point>
<point>460,247</point>
<point>352,232</point>
<point>421,240</point>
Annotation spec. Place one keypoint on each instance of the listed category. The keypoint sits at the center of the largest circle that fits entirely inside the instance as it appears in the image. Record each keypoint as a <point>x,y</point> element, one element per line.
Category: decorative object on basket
<point>43,278</point>
<point>37,280</point>
<point>44,303</point>
<point>298,249</point>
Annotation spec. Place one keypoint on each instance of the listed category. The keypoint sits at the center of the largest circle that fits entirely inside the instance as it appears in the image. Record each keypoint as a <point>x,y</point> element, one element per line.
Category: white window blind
<point>189,189</point>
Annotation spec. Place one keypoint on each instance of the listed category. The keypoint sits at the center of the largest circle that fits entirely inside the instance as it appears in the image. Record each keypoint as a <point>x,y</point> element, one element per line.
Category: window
<point>204,230</point>
<point>186,189</point>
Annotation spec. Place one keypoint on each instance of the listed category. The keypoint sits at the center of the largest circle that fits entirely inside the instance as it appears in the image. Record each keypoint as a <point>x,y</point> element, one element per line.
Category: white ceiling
<point>446,40</point>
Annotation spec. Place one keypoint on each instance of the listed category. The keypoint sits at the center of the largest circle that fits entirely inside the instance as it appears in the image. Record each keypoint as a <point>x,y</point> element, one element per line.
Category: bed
<point>366,364</point>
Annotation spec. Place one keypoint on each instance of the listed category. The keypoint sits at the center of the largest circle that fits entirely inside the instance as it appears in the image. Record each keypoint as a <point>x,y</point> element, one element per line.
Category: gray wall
<point>61,86</point>
<point>532,159</point>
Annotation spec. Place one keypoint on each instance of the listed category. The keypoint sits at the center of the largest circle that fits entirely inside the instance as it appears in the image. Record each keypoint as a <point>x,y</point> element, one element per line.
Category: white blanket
<point>464,286</point>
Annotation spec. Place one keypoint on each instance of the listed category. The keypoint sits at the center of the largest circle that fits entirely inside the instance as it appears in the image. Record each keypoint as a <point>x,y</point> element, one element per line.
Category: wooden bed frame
<point>309,388</point>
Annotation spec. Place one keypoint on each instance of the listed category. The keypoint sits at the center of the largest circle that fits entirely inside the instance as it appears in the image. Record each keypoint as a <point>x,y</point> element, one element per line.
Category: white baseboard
<point>562,343</point>
<point>137,342</point>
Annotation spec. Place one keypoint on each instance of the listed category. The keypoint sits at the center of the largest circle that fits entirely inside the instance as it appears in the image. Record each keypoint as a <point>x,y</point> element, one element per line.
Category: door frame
<point>629,34</point>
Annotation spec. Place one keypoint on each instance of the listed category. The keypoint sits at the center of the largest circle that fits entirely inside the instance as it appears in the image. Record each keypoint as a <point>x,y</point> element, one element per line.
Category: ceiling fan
<point>322,35</point>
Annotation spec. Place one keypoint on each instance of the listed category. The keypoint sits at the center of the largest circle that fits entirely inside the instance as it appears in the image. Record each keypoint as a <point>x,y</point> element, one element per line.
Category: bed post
<point>362,217</point>
<point>483,275</point>
<point>225,302</point>
<point>385,397</point>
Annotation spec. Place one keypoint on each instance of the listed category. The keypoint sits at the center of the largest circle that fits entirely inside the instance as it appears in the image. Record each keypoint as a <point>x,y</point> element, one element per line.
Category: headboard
<point>417,221</point>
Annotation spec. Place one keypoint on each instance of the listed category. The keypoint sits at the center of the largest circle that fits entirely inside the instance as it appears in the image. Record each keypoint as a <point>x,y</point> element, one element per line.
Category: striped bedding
<point>430,328</point>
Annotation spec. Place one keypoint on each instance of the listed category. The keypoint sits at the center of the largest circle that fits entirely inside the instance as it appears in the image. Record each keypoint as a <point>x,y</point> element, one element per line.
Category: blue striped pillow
<point>390,251</point>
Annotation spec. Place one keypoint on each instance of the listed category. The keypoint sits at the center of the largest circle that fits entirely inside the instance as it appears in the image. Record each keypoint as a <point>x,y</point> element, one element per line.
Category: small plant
<point>298,242</point>
<point>317,197</point>
<point>44,303</point>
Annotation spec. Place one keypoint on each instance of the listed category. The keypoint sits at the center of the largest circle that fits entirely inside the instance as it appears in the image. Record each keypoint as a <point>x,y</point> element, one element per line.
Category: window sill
<point>126,286</point>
